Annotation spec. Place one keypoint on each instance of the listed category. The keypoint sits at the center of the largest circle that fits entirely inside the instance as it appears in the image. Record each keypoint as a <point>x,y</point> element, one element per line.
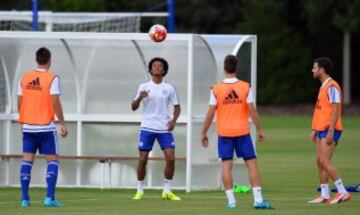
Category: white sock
<point>257,194</point>
<point>340,186</point>
<point>140,186</point>
<point>230,196</point>
<point>167,185</point>
<point>325,193</point>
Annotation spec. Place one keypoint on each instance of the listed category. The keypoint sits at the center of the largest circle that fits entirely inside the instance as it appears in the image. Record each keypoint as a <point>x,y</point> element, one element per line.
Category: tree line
<point>291,33</point>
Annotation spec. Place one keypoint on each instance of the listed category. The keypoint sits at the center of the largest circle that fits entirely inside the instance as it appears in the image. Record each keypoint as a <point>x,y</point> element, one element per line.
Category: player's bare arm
<point>207,123</point>
<point>19,100</point>
<point>312,136</point>
<point>172,122</point>
<point>334,118</point>
<point>256,120</point>
<point>55,99</point>
<point>136,103</point>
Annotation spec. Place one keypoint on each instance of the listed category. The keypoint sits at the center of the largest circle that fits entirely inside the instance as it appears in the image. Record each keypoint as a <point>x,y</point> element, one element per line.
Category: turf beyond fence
<point>289,175</point>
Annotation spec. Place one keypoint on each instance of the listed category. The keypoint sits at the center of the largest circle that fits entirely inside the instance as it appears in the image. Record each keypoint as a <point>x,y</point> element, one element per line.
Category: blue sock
<point>51,178</point>
<point>25,177</point>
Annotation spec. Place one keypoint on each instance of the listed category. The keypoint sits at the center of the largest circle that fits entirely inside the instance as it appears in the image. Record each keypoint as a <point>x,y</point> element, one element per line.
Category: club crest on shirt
<point>164,92</point>
<point>141,144</point>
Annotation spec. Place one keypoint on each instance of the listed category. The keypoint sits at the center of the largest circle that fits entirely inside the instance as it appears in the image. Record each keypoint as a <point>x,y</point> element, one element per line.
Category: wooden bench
<point>86,157</point>
<point>102,159</point>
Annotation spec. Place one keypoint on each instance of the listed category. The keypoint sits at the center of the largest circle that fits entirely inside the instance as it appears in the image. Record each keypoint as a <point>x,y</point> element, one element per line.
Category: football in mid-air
<point>157,33</point>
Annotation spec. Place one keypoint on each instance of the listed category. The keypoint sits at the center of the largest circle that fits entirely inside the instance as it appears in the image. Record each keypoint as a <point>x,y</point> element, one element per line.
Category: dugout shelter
<point>100,73</point>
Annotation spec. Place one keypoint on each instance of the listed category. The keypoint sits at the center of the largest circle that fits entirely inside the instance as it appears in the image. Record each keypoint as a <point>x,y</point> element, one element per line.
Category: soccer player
<point>326,131</point>
<point>232,101</point>
<point>38,102</point>
<point>157,96</point>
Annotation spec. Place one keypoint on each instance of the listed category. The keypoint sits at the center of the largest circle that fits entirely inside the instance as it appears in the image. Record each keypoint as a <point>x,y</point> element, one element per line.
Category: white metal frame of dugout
<point>217,51</point>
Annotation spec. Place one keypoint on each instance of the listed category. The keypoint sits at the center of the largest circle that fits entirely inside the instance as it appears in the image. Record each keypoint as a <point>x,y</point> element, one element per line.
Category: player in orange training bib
<point>326,131</point>
<point>232,101</point>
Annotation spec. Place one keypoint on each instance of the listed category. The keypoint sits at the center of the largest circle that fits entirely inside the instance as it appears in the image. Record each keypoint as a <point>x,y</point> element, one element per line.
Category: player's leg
<point>30,145</point>
<point>227,166</point>
<point>226,153</point>
<point>141,170</point>
<point>255,182</point>
<point>169,170</point>
<point>146,142</point>
<point>227,177</point>
<point>327,151</point>
<point>50,148</point>
<point>167,144</point>
<point>324,197</point>
<point>244,148</point>
<point>254,177</point>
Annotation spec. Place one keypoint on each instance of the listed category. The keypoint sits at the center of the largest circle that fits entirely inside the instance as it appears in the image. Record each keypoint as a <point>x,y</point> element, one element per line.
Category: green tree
<point>74,6</point>
<point>344,16</point>
<point>209,17</point>
<point>284,63</point>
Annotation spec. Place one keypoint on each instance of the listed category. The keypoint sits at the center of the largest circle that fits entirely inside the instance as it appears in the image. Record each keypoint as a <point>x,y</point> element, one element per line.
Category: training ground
<point>289,175</point>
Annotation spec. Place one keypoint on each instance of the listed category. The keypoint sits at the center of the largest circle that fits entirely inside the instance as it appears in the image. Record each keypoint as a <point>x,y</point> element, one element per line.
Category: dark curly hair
<point>163,61</point>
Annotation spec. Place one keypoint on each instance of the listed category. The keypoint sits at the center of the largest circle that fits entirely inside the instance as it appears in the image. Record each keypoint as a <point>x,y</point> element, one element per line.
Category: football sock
<point>257,194</point>
<point>25,178</point>
<point>325,191</point>
<point>340,186</point>
<point>51,178</point>
<point>140,186</point>
<point>167,185</point>
<point>230,196</point>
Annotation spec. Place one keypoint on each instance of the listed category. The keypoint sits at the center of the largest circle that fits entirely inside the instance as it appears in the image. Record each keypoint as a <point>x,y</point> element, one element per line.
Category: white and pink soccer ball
<point>157,33</point>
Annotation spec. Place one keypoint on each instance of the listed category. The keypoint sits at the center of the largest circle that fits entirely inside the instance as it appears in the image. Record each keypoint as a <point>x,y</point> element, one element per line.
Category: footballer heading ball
<point>157,33</point>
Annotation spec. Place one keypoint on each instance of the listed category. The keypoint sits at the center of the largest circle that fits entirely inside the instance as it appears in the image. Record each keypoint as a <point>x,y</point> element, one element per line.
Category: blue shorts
<point>147,139</point>
<point>323,134</point>
<point>46,142</point>
<point>242,146</point>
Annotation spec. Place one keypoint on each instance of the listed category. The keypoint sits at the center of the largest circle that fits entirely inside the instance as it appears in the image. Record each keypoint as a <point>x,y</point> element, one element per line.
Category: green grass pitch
<point>287,163</point>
